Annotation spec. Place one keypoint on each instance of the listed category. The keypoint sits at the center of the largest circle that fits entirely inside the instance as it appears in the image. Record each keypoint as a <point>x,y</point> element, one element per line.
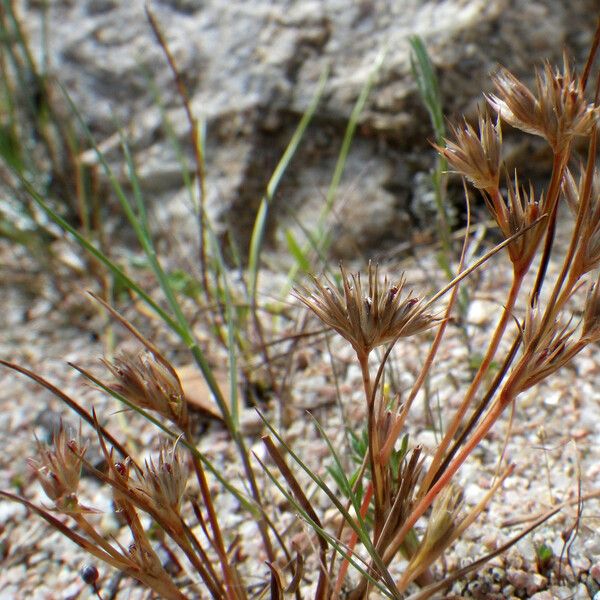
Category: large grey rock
<point>251,68</point>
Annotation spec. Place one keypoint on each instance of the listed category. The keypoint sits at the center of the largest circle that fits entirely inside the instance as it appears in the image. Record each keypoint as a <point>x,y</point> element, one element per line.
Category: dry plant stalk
<point>368,312</point>
<point>547,339</point>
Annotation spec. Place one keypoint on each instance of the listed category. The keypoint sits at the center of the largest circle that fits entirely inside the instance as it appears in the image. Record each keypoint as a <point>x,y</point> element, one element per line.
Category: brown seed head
<point>477,156</point>
<point>149,384</point>
<point>588,252</point>
<point>58,469</point>
<point>557,111</point>
<point>164,483</point>
<point>521,211</point>
<point>547,348</point>
<point>122,490</point>
<point>591,314</point>
<point>367,318</point>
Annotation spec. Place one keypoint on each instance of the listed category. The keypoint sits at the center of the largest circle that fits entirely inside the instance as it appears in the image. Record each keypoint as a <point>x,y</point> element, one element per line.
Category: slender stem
<point>481,407</point>
<point>349,503</point>
<point>558,167</point>
<point>239,442</point>
<point>202,565</point>
<point>475,384</point>
<point>569,269</point>
<point>374,442</point>
<point>85,526</point>
<point>219,545</point>
<point>352,544</point>
<point>445,478</point>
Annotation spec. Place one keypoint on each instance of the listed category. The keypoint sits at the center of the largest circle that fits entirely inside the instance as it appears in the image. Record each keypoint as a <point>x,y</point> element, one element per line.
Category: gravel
<point>554,444</point>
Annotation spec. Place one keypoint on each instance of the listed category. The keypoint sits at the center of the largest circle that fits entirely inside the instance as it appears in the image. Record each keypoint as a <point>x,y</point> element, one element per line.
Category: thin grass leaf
<point>320,234</point>
<point>362,536</point>
<point>256,240</point>
<point>338,546</point>
<point>428,85</point>
<point>429,90</point>
<point>142,215</point>
<point>231,328</point>
<point>346,485</point>
<point>302,500</point>
<point>297,252</point>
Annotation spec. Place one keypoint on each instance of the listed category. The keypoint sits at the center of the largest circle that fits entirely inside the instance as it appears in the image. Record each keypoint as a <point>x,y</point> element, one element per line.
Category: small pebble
<point>595,572</point>
<point>581,593</point>
<point>542,596</point>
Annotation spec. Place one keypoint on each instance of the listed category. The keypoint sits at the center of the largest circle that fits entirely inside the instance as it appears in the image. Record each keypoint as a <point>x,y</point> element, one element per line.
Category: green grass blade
<point>428,85</point>
<point>332,541</point>
<point>142,215</point>
<point>230,318</point>
<point>256,240</point>
<point>358,529</point>
<point>320,234</point>
<point>297,252</point>
<point>347,487</point>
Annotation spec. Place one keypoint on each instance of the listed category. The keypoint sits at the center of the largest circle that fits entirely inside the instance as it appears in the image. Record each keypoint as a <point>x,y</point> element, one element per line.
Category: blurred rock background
<point>251,68</point>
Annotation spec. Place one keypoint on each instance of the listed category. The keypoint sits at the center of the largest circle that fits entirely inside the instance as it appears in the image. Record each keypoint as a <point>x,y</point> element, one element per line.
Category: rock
<point>542,596</point>
<point>251,70</point>
<point>522,580</point>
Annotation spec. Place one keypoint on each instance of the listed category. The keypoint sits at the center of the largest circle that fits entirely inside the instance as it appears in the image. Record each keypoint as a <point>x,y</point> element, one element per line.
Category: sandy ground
<point>554,443</point>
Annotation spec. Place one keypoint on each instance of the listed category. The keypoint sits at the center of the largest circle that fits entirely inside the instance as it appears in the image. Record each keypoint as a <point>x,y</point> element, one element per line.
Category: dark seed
<point>89,574</point>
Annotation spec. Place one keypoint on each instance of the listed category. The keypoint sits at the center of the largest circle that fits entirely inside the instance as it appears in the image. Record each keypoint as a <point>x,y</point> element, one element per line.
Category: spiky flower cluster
<point>557,111</point>
<point>148,383</point>
<point>370,317</point>
<point>521,214</point>
<point>58,469</point>
<point>164,483</point>
<point>548,345</point>
<point>587,190</point>
<point>476,155</point>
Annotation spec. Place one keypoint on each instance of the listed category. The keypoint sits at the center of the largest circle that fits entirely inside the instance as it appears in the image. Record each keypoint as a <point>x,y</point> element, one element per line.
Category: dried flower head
<point>367,318</point>
<point>591,314</point>
<point>164,483</point>
<point>548,346</point>
<point>121,484</point>
<point>587,192</point>
<point>520,212</point>
<point>557,111</point>
<point>477,156</point>
<point>442,522</point>
<point>149,384</point>
<point>58,469</point>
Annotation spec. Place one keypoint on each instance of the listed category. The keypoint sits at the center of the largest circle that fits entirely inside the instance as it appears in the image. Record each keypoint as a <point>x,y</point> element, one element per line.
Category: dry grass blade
<point>72,404</point>
<point>323,583</point>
